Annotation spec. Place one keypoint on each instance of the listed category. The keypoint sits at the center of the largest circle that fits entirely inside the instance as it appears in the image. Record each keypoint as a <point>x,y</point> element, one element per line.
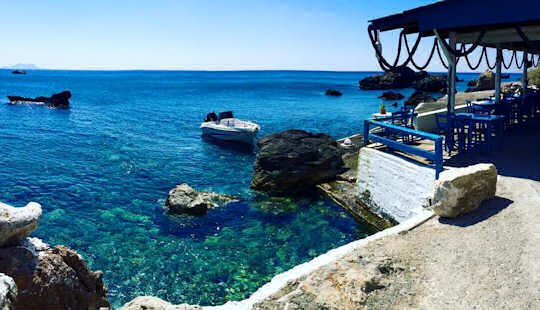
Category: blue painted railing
<point>436,156</point>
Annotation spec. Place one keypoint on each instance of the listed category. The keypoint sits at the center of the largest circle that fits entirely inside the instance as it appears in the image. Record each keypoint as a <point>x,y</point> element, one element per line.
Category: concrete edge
<point>280,280</point>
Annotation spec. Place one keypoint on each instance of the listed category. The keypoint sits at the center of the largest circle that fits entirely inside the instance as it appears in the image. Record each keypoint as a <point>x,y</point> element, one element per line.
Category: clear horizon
<point>205,35</point>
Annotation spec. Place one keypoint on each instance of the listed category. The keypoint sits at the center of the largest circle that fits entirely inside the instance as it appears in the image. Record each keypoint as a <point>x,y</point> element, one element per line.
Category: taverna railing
<point>387,134</point>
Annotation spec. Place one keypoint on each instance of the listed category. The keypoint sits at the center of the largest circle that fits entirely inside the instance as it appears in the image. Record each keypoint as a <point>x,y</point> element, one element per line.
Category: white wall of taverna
<point>397,186</point>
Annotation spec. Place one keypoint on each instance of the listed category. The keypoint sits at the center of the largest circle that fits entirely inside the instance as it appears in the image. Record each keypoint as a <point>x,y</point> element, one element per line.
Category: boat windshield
<point>226,114</point>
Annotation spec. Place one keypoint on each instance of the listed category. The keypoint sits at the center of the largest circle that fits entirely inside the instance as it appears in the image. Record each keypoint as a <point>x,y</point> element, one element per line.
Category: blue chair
<point>445,129</point>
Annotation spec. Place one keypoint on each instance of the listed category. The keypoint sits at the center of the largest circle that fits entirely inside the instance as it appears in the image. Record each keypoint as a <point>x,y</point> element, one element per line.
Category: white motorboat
<point>227,128</point>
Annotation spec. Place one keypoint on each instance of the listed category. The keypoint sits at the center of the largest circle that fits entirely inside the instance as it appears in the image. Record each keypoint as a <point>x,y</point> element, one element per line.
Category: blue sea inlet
<point>103,168</point>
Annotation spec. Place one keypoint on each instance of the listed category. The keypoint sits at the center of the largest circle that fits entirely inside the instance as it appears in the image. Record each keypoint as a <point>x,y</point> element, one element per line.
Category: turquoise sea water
<point>102,169</point>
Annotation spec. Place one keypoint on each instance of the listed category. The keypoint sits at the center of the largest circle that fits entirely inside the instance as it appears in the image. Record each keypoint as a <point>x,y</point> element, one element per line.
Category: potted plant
<point>383,109</point>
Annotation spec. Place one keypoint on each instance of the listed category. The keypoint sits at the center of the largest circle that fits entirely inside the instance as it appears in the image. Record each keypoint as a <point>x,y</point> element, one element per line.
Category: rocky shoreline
<point>36,276</point>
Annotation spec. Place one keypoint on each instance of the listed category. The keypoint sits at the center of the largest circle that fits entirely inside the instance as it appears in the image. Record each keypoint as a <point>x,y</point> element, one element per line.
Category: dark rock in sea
<point>431,83</point>
<point>395,104</point>
<point>333,92</point>
<point>183,199</point>
<point>294,161</point>
<point>472,83</point>
<point>52,278</point>
<point>391,96</point>
<point>505,76</point>
<point>60,100</point>
<point>419,97</point>
<point>400,78</point>
<point>486,81</point>
<point>18,72</point>
<point>459,80</point>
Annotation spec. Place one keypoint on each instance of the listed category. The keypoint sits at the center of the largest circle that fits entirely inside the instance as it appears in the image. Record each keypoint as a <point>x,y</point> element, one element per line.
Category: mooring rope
<point>429,58</point>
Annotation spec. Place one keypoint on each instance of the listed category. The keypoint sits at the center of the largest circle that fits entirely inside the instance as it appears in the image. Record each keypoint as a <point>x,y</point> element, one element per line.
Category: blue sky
<point>202,34</point>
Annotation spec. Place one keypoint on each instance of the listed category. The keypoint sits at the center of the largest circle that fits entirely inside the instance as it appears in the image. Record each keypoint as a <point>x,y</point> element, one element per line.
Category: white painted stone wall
<point>397,186</point>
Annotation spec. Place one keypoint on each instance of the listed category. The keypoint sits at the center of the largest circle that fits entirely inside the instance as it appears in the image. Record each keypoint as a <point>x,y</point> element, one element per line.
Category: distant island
<point>22,67</point>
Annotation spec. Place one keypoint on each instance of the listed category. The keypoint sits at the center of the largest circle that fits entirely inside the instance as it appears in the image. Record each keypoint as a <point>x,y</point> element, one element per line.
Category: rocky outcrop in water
<point>419,97</point>
<point>462,190</point>
<point>17,223</point>
<point>486,81</point>
<point>60,100</point>
<point>183,199</point>
<point>431,83</point>
<point>8,292</point>
<point>389,95</point>
<point>333,92</point>
<point>153,303</point>
<point>398,78</point>
<point>294,161</point>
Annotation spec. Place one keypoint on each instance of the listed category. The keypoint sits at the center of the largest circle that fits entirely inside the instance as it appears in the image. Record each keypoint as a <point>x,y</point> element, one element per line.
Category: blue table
<point>491,121</point>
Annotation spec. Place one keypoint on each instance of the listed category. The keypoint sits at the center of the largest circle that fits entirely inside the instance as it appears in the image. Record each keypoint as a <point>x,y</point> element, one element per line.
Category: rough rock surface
<point>419,97</point>
<point>391,96</point>
<point>400,78</point>
<point>60,100</point>
<point>431,83</point>
<point>52,278</point>
<point>486,81</point>
<point>183,199</point>
<point>333,92</point>
<point>153,303</point>
<point>17,223</point>
<point>8,292</point>
<point>294,161</point>
<point>462,190</point>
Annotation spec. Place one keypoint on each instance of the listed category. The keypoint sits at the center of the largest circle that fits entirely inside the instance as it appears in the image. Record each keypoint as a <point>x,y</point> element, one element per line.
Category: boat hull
<point>230,136</point>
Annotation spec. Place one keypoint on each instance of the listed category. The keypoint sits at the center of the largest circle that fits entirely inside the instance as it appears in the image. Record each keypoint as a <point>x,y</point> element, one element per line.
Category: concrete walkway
<point>489,259</point>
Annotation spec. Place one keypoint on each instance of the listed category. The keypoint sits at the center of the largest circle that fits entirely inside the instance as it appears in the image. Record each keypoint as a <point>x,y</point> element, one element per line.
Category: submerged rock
<point>391,96</point>
<point>52,278</point>
<point>183,199</point>
<point>60,100</point>
<point>462,190</point>
<point>17,223</point>
<point>154,303</point>
<point>294,161</point>
<point>419,97</point>
<point>333,92</point>
<point>8,292</point>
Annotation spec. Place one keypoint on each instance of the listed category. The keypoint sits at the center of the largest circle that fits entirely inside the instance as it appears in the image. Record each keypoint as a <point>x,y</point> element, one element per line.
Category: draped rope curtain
<point>461,52</point>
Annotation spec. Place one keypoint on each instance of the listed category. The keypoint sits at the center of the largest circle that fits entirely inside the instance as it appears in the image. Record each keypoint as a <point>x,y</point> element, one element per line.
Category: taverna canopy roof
<point>513,25</point>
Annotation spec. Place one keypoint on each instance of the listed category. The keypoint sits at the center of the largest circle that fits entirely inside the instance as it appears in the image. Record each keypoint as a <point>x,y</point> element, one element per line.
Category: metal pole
<point>451,74</point>
<point>524,82</point>
<point>498,76</point>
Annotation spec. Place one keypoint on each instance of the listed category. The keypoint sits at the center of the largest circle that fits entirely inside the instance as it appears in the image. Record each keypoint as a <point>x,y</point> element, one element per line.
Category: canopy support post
<point>378,44</point>
<point>451,58</point>
<point>498,76</point>
<point>524,79</point>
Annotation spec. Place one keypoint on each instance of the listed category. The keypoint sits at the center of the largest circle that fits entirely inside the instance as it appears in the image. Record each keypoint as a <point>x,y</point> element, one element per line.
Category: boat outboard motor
<point>211,117</point>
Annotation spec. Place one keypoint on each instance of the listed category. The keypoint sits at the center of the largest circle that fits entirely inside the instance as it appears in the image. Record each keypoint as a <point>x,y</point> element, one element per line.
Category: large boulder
<point>419,97</point>
<point>60,100</point>
<point>399,78</point>
<point>486,81</point>
<point>389,95</point>
<point>153,303</point>
<point>293,161</point>
<point>8,292</point>
<point>462,190</point>
<point>431,83</point>
<point>183,199</point>
<point>52,278</point>
<point>17,223</point>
